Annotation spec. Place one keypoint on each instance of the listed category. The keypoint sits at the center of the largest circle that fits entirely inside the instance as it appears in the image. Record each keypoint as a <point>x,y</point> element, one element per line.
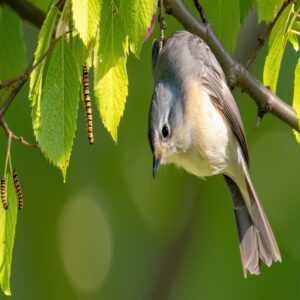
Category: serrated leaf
<point>245,7</point>
<point>8,222</point>
<point>293,38</point>
<point>138,15</point>
<point>217,13</point>
<point>86,16</point>
<point>268,9</point>
<point>296,99</point>
<point>12,50</point>
<point>59,105</point>
<point>36,77</point>
<point>111,83</point>
<point>277,45</point>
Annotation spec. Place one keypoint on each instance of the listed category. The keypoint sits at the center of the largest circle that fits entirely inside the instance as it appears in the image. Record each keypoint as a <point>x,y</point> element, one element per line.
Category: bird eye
<point>165,131</point>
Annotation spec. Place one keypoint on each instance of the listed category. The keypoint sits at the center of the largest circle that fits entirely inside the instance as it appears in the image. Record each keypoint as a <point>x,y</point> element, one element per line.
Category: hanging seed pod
<point>3,193</point>
<point>87,103</point>
<point>18,189</point>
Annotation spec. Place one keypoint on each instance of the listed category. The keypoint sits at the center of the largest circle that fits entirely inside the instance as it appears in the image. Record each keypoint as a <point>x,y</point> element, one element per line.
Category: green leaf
<point>296,26</point>
<point>111,83</point>
<point>277,45</point>
<point>268,9</point>
<point>8,222</point>
<point>41,4</point>
<point>59,106</point>
<point>296,99</point>
<point>225,20</point>
<point>86,16</point>
<point>245,7</point>
<point>80,52</point>
<point>36,78</point>
<point>12,51</point>
<point>293,38</point>
<point>137,18</point>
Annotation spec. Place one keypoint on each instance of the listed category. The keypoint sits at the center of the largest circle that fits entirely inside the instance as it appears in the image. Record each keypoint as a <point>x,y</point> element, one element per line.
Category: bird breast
<point>211,144</point>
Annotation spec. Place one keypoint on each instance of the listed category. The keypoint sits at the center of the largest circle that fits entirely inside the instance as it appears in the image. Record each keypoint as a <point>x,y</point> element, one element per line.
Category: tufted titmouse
<point>195,124</point>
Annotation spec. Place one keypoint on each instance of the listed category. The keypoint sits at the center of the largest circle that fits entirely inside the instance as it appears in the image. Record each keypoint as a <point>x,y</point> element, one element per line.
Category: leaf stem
<point>295,31</point>
<point>162,25</point>
<point>3,95</point>
<point>8,154</point>
<point>15,137</point>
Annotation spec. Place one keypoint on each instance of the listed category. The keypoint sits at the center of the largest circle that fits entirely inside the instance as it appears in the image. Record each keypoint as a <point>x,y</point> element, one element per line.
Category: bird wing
<point>185,55</point>
<point>212,77</point>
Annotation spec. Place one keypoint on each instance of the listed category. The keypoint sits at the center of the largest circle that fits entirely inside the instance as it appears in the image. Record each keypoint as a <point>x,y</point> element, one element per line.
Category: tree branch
<point>236,73</point>
<point>27,11</point>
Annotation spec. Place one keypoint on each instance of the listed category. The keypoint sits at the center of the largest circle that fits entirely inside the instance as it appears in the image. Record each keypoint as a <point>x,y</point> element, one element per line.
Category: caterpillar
<point>3,193</point>
<point>87,103</point>
<point>18,189</point>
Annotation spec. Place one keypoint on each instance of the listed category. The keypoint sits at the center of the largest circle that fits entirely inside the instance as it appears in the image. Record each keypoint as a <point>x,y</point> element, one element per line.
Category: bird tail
<point>257,241</point>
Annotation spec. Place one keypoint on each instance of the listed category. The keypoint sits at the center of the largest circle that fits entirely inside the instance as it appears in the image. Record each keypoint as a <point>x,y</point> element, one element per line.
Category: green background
<point>112,232</point>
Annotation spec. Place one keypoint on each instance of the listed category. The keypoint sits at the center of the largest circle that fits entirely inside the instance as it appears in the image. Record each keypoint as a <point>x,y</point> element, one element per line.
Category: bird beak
<point>156,164</point>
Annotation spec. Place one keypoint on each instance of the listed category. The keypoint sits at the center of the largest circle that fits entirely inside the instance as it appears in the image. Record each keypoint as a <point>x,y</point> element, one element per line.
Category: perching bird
<point>195,124</point>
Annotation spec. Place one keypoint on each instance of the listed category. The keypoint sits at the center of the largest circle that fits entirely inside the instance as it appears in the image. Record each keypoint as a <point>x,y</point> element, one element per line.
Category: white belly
<point>197,165</point>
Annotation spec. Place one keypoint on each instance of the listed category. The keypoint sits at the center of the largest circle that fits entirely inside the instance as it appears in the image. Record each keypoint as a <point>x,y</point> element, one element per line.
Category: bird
<point>194,124</point>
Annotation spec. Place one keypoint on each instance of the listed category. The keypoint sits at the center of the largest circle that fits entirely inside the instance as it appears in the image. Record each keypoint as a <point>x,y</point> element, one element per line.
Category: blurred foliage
<point>245,8</point>
<point>12,50</point>
<point>112,232</point>
<point>217,11</point>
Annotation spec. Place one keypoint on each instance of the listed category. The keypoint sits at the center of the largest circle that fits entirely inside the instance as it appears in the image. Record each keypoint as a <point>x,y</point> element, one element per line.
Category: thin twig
<point>9,133</point>
<point>60,5</point>
<point>262,40</point>
<point>9,82</point>
<point>162,24</point>
<point>200,10</point>
<point>11,97</point>
<point>4,93</point>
